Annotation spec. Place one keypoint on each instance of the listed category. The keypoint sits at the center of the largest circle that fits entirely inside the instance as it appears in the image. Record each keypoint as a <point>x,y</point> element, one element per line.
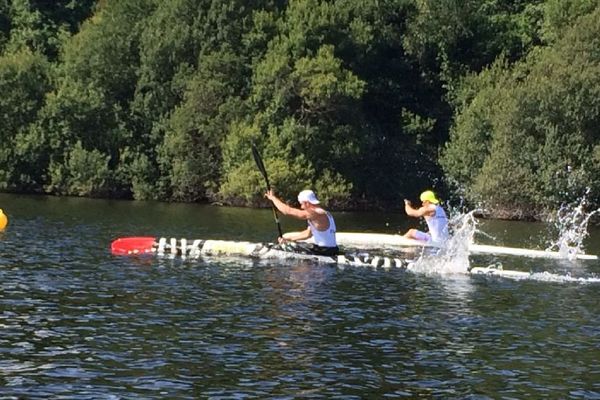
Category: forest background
<point>496,102</point>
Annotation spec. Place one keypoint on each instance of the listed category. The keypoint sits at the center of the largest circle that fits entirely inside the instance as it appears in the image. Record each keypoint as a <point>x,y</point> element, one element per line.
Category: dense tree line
<point>366,101</point>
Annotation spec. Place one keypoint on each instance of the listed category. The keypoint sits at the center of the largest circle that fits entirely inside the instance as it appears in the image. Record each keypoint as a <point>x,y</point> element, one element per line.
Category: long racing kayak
<point>197,248</point>
<point>184,248</point>
<point>378,240</point>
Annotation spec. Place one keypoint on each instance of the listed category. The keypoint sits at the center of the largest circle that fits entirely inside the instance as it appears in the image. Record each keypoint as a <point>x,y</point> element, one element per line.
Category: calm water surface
<point>78,323</point>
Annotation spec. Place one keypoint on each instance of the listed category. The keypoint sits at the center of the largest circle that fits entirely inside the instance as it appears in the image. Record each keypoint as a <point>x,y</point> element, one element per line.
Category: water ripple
<point>78,323</point>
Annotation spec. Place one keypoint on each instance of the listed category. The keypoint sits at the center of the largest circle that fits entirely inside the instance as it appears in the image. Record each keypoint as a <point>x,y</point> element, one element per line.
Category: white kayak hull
<point>378,240</point>
<point>198,248</point>
<point>194,249</point>
<point>490,271</point>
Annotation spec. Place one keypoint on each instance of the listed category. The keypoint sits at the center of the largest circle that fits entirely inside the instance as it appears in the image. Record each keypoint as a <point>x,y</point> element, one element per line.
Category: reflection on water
<point>79,323</point>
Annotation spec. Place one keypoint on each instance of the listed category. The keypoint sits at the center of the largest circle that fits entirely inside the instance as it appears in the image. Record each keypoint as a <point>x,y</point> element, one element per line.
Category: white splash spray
<point>571,222</point>
<point>453,258</point>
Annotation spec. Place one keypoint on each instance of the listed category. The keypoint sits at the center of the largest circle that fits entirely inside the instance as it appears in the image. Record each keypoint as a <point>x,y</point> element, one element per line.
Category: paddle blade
<point>133,245</point>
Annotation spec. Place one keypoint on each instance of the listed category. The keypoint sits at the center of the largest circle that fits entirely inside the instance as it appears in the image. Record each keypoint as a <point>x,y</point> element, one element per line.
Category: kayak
<point>378,240</point>
<point>148,245</point>
<point>197,248</point>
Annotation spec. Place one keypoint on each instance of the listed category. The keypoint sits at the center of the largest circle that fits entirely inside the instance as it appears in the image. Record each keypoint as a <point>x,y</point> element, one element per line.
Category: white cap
<point>307,195</point>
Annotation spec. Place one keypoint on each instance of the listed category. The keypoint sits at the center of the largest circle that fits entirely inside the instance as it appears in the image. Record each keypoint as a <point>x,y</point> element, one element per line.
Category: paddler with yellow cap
<point>434,215</point>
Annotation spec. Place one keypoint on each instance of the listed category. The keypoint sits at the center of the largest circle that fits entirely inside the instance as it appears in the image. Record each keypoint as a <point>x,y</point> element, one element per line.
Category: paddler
<point>321,225</point>
<point>434,215</point>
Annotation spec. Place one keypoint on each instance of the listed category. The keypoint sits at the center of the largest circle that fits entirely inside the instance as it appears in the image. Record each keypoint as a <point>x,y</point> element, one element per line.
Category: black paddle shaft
<point>263,171</point>
<point>260,165</point>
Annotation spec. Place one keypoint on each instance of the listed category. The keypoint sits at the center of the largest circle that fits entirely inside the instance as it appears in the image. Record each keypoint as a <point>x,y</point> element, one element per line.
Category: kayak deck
<point>199,248</point>
<point>379,240</point>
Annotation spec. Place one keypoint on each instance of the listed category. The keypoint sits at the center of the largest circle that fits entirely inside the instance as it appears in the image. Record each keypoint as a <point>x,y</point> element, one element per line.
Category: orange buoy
<point>3,220</point>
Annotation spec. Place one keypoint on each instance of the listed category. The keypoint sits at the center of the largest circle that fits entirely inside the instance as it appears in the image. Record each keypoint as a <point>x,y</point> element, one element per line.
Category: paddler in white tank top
<point>321,225</point>
<point>434,215</point>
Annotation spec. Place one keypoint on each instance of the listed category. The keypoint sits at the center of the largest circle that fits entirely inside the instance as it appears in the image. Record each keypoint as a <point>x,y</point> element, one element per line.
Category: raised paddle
<point>263,171</point>
<point>133,245</point>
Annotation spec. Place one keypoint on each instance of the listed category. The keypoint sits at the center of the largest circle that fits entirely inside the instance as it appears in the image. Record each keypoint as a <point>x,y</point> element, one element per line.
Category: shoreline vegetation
<point>493,103</point>
<point>496,214</point>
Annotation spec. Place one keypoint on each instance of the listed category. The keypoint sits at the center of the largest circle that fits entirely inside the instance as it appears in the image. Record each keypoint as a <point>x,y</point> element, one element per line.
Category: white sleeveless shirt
<point>324,238</point>
<point>438,225</point>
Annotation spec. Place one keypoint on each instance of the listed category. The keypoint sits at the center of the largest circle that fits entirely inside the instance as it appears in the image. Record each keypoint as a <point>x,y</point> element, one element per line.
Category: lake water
<point>79,323</point>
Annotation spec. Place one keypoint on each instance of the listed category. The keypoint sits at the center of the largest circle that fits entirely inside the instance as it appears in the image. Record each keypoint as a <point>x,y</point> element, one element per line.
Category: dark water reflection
<point>79,323</point>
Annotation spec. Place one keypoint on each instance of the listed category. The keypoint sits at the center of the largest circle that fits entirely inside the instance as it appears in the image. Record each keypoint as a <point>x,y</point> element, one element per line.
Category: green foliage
<point>333,189</point>
<point>288,175</point>
<point>104,55</point>
<point>525,140</point>
<point>41,26</point>
<point>243,185</point>
<point>560,14</point>
<point>135,175</point>
<point>24,81</point>
<point>287,179</point>
<point>84,173</point>
<point>307,100</point>
<point>457,37</point>
<point>28,28</point>
<point>323,84</point>
<point>172,53</point>
<point>476,105</point>
<point>96,82</point>
<point>354,99</point>
<point>416,125</point>
<point>5,23</point>
<point>190,154</point>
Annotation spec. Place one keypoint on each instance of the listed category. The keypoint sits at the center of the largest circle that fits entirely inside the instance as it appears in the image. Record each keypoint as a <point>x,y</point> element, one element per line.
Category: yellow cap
<point>429,196</point>
<point>3,220</point>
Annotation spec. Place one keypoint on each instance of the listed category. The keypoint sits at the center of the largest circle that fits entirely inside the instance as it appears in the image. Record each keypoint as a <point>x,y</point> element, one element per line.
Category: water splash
<point>571,222</point>
<point>453,258</point>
